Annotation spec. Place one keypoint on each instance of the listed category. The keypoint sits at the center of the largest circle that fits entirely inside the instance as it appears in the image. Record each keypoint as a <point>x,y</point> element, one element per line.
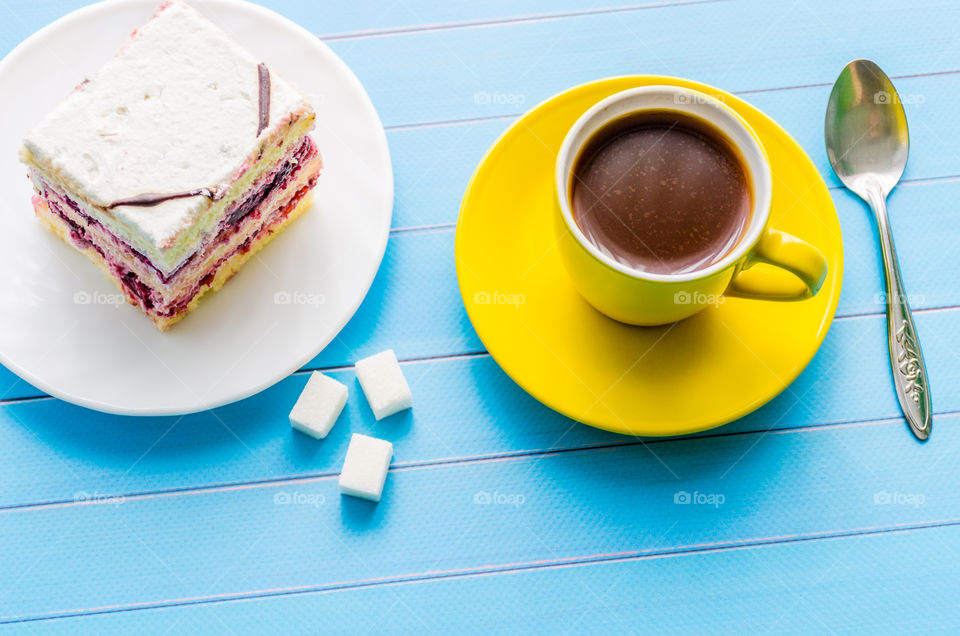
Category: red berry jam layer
<point>253,217</point>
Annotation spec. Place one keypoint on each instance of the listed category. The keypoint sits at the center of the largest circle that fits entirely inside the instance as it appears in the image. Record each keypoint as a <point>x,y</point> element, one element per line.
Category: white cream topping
<point>175,110</point>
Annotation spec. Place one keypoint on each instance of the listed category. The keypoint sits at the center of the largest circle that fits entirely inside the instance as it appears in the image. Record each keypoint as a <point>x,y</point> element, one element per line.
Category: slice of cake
<point>174,163</point>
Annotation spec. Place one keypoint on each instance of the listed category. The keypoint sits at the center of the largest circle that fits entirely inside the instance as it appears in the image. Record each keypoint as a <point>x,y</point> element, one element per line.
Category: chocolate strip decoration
<point>264,74</point>
<point>149,199</point>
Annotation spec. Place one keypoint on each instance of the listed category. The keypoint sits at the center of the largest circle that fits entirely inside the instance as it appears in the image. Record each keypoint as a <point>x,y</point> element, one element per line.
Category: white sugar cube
<point>383,384</point>
<point>365,468</point>
<point>318,406</point>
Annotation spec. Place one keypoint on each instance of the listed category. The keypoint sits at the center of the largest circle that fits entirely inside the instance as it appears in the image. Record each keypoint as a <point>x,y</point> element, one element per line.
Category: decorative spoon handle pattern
<point>906,358</point>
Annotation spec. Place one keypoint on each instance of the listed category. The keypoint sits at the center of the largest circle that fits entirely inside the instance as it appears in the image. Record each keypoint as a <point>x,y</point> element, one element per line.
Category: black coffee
<point>661,192</point>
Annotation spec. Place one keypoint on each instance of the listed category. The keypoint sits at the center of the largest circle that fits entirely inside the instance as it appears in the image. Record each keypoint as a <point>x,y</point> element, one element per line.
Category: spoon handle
<point>906,358</point>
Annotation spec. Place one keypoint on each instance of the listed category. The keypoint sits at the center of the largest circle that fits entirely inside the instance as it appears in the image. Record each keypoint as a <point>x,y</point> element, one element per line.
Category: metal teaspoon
<point>867,143</point>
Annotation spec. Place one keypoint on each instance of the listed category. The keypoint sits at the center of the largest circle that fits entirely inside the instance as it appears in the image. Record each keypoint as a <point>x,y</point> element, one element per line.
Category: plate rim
<point>64,21</point>
<point>686,429</point>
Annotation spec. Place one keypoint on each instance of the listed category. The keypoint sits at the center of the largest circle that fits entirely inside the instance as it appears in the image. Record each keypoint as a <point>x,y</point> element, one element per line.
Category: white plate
<point>63,327</point>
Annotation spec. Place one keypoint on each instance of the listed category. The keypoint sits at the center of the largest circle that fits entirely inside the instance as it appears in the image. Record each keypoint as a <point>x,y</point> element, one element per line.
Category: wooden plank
<point>364,18</point>
<point>833,585</point>
<point>370,18</point>
<point>432,167</point>
<point>464,408</point>
<point>433,164</point>
<point>747,45</point>
<point>414,306</point>
<point>927,101</point>
<point>581,504</point>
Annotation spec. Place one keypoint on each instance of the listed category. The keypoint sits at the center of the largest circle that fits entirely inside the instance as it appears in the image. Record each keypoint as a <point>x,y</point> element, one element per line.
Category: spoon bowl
<point>866,129</point>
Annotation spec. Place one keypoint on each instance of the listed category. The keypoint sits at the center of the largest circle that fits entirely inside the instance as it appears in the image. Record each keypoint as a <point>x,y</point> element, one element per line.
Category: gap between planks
<point>493,22</point>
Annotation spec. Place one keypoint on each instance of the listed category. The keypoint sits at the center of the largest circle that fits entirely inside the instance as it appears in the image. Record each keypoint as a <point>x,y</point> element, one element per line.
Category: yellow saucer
<point>696,374</point>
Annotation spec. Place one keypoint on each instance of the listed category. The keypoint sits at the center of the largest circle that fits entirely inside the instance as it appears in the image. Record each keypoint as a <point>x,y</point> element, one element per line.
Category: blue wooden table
<point>820,512</point>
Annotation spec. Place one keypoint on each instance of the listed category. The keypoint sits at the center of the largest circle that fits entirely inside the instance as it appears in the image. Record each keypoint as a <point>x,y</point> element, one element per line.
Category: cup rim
<point>761,183</point>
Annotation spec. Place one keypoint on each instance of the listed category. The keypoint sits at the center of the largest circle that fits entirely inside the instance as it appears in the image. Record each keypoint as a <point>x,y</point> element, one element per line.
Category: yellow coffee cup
<point>639,297</point>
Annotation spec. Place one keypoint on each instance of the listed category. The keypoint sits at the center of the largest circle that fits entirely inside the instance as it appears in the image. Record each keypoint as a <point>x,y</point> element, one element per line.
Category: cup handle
<point>785,251</point>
